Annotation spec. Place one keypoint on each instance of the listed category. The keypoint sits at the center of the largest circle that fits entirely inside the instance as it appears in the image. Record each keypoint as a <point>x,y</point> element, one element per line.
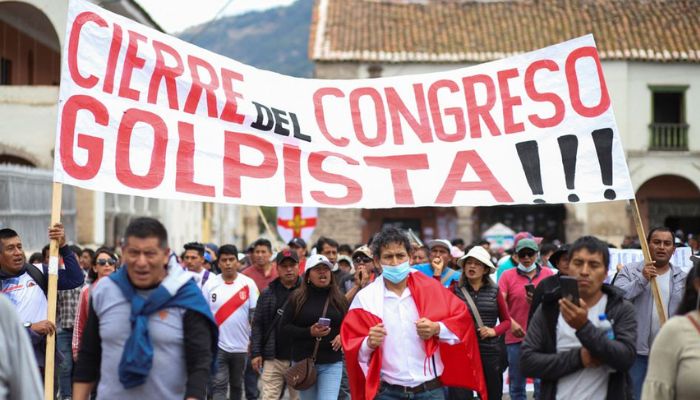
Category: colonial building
<point>31,37</point>
<point>650,51</point>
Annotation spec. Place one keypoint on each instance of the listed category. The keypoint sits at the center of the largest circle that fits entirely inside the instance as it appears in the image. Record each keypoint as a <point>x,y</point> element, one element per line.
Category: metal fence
<point>25,205</point>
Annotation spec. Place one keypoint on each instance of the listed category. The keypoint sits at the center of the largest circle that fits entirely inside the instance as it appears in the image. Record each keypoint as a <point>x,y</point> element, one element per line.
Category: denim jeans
<point>250,380</point>
<point>327,383</point>
<point>64,340</point>
<point>386,393</point>
<point>638,372</point>
<point>229,375</point>
<point>518,382</point>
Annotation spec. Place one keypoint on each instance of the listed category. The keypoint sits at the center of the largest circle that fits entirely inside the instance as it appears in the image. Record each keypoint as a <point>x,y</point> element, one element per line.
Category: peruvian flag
<point>462,361</point>
<point>296,222</point>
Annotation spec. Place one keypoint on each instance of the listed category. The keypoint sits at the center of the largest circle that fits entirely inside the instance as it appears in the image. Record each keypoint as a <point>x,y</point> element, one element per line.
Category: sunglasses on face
<point>102,263</point>
<point>526,254</point>
<point>361,260</point>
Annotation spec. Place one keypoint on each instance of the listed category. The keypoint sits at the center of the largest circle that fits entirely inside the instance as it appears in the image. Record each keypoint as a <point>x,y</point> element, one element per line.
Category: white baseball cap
<point>440,242</point>
<point>316,260</point>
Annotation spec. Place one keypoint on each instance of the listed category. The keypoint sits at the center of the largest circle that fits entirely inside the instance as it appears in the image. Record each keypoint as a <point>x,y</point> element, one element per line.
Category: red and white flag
<point>462,361</point>
<point>296,222</point>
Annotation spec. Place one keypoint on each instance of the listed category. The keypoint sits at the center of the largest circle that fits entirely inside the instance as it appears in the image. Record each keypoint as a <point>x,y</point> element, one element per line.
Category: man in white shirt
<point>232,298</point>
<point>567,344</point>
<point>193,260</point>
<point>405,335</point>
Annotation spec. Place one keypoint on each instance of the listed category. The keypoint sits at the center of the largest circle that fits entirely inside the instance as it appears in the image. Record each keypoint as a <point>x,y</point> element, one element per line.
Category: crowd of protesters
<point>391,319</point>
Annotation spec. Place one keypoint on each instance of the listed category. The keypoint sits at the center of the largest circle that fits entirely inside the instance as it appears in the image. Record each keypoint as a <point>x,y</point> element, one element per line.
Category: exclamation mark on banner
<point>602,139</point>
<point>530,159</point>
<point>568,146</point>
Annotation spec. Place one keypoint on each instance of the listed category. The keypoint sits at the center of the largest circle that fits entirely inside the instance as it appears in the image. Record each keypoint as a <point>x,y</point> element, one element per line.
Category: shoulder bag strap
<point>275,320</point>
<point>318,340</point>
<point>447,276</point>
<point>472,306</point>
<point>697,326</point>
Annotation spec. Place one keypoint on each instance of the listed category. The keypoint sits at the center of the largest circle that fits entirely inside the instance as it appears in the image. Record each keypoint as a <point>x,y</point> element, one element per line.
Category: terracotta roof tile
<point>477,31</point>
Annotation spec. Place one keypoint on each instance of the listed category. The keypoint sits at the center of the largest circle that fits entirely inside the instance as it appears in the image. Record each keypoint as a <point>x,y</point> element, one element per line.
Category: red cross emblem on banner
<point>294,222</point>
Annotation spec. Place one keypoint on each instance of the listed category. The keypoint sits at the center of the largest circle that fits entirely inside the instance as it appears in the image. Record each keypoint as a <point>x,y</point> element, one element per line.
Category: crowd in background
<point>146,316</point>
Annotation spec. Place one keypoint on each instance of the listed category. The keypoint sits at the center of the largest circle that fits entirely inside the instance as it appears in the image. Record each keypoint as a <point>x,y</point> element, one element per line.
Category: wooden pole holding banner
<point>273,235</point>
<point>49,390</point>
<point>647,259</point>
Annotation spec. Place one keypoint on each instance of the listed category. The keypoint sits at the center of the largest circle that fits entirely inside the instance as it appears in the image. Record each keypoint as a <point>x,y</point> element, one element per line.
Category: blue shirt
<point>446,282</point>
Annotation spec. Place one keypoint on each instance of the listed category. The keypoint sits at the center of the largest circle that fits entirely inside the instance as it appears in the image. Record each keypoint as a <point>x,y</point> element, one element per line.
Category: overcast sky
<point>177,15</point>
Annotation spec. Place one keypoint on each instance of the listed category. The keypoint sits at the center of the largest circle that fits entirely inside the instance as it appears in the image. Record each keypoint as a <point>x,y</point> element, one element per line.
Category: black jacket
<point>298,327</point>
<point>270,304</point>
<point>539,357</point>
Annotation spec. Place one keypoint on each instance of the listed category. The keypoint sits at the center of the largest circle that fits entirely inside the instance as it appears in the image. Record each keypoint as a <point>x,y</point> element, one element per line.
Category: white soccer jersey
<point>231,304</point>
<point>27,297</point>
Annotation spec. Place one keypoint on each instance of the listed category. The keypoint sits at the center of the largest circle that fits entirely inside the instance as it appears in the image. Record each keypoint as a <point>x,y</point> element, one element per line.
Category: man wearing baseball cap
<point>518,285</point>
<point>269,351</point>
<point>512,261</point>
<point>440,257</point>
<point>298,245</point>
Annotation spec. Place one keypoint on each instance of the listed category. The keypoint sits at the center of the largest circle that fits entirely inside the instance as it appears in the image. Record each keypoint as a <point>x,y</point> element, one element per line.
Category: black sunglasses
<point>104,262</point>
<point>361,260</point>
<point>526,254</point>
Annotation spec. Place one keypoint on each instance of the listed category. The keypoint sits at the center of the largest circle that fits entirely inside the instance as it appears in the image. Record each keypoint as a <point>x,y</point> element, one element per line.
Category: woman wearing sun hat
<point>487,307</point>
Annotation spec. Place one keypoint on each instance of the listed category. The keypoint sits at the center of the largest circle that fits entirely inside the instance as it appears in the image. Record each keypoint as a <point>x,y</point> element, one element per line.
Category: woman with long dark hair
<point>478,291</point>
<point>103,264</point>
<point>674,360</point>
<point>305,323</point>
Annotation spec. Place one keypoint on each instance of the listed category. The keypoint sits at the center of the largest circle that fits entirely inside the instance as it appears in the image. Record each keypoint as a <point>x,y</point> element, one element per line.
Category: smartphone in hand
<point>569,288</point>
<point>324,322</point>
<point>530,289</point>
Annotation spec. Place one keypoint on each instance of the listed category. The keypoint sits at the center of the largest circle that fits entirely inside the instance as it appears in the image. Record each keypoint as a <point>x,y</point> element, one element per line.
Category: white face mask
<point>396,274</point>
<point>527,269</point>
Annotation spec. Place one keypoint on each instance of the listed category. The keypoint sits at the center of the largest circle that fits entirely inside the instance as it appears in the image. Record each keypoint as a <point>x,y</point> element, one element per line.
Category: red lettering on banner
<point>230,111</point>
<point>184,178</point>
<point>399,166</point>
<point>487,182</point>
<point>131,62</point>
<point>292,173</point>
<point>508,101</point>
<point>234,168</point>
<point>574,90</point>
<point>114,48</point>
<point>482,111</point>
<point>455,112</point>
<point>161,72</point>
<point>356,115</point>
<point>92,144</point>
<point>73,41</point>
<point>320,117</point>
<point>156,170</point>
<point>532,92</point>
<point>197,85</point>
<point>397,110</point>
<point>316,170</point>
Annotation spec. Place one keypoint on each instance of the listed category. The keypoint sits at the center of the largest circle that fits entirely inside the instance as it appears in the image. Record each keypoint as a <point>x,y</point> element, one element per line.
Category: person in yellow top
<point>674,360</point>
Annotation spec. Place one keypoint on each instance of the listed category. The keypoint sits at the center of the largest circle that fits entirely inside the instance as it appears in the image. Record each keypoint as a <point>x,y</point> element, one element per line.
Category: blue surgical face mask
<point>396,274</point>
<point>528,269</point>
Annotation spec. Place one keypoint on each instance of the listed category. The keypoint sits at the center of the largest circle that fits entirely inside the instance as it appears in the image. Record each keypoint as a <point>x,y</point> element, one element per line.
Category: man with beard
<point>634,279</point>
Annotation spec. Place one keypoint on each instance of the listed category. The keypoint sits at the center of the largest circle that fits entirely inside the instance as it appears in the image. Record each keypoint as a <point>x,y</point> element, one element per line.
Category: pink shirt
<point>512,285</point>
<point>259,277</point>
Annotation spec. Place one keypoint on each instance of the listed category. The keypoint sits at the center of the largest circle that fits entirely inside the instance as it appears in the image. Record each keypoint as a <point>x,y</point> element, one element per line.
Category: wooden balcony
<point>668,137</point>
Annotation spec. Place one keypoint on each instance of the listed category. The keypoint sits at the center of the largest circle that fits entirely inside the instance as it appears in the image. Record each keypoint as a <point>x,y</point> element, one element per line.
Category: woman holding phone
<point>491,318</point>
<point>305,323</point>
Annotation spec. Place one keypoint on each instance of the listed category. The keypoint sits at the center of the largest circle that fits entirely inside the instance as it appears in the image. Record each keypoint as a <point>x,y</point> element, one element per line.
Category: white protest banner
<point>144,113</point>
<point>680,258</point>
